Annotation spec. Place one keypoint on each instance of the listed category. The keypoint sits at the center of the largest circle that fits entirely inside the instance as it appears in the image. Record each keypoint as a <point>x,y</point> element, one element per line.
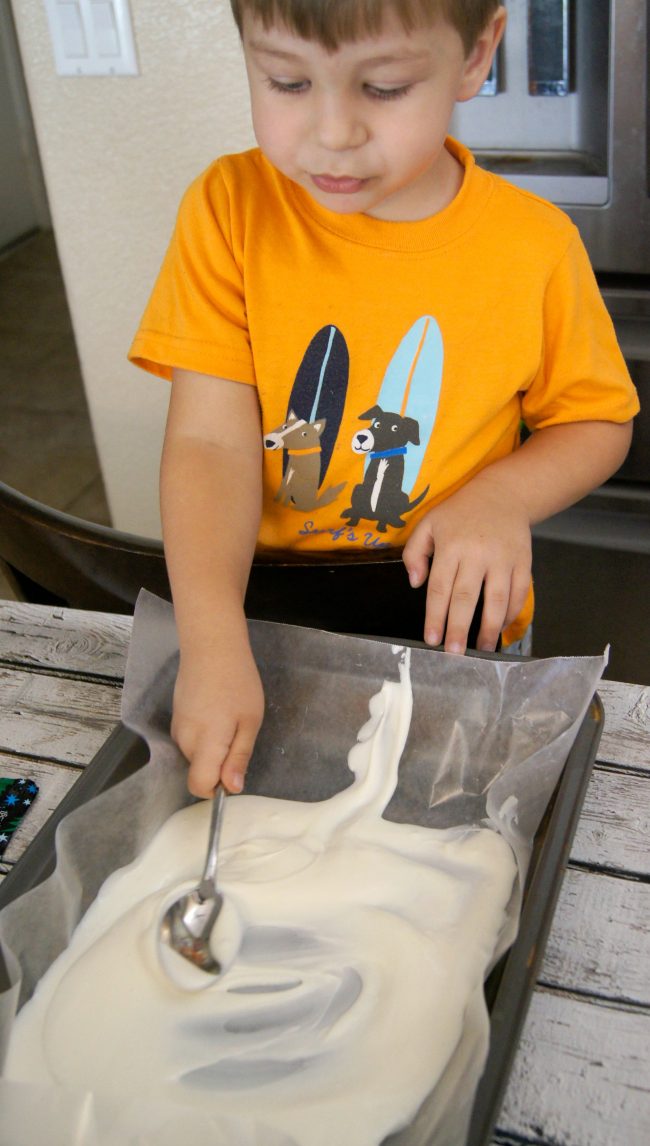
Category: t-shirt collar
<point>414,236</point>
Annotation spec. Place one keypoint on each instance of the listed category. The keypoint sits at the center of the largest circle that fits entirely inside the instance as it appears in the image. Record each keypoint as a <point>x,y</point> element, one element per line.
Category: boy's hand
<point>479,536</point>
<point>218,710</point>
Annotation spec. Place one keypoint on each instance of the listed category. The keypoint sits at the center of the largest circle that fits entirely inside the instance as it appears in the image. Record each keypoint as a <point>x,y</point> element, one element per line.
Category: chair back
<point>55,556</point>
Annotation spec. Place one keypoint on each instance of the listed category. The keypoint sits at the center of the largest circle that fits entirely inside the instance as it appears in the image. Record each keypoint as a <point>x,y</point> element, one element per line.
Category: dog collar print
<point>388,453</point>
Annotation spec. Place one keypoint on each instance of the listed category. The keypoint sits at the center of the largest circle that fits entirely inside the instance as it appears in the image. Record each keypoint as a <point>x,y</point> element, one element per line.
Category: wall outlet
<point>92,37</point>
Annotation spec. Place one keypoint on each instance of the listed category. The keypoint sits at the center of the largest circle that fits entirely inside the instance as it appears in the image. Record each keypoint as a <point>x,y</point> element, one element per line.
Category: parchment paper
<point>488,740</point>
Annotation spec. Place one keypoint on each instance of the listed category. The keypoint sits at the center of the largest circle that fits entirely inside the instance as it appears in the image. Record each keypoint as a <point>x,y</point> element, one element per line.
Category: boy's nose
<point>339,125</point>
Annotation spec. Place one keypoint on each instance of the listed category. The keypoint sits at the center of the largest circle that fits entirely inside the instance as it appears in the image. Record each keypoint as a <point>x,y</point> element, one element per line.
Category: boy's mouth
<point>338,184</point>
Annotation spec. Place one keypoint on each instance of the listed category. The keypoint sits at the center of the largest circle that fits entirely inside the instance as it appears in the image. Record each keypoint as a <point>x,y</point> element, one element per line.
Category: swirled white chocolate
<point>351,947</point>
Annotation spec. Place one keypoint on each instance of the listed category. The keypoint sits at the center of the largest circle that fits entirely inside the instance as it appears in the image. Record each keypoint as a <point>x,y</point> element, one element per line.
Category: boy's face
<point>363,128</point>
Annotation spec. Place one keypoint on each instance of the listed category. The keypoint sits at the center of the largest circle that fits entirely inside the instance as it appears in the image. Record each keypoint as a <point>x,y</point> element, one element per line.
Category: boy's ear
<point>479,60</point>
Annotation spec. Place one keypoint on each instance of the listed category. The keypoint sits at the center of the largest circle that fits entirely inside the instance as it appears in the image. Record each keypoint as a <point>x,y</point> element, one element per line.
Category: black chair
<point>60,559</point>
<point>57,558</point>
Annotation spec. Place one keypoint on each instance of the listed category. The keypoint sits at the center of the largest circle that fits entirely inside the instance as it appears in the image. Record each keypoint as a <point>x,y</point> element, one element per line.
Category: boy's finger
<point>521,579</point>
<point>461,612</point>
<point>205,770</point>
<point>439,590</point>
<point>235,765</point>
<point>496,598</point>
<point>416,556</point>
<point>233,771</point>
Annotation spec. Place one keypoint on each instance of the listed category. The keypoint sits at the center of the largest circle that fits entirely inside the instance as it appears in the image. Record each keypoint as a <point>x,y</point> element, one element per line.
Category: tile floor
<point>46,442</point>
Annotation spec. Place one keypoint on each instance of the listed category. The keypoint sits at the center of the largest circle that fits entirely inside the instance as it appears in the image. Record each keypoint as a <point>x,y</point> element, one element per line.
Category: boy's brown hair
<point>334,22</point>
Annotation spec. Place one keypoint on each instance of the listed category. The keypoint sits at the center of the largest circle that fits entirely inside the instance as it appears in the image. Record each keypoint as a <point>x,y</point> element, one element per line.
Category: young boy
<point>356,319</point>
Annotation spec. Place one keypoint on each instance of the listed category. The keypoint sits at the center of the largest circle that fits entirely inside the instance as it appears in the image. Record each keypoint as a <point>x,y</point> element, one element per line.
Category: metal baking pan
<point>509,986</point>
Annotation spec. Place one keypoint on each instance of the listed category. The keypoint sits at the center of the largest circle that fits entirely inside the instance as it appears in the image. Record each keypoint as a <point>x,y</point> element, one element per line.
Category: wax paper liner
<point>489,738</point>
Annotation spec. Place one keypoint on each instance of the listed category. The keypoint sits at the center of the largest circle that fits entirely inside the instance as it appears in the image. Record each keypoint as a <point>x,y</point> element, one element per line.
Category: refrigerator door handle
<point>549,47</point>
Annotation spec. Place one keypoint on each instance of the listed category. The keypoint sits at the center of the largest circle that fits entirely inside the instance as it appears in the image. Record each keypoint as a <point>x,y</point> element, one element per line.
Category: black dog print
<point>380,497</point>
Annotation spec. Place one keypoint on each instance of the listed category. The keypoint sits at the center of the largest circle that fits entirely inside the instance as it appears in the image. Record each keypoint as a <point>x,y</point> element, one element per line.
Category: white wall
<point>117,154</point>
<point>23,202</point>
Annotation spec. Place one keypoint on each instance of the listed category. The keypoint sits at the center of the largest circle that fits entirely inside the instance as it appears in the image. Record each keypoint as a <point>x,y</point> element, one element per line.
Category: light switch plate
<point>92,37</point>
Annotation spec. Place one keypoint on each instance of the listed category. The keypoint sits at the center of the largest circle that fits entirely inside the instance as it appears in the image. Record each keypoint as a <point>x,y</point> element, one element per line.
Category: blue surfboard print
<point>321,386</point>
<point>411,387</point>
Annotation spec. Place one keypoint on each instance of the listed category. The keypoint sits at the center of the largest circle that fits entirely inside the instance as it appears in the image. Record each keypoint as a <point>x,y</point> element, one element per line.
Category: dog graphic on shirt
<point>380,497</point>
<point>300,482</point>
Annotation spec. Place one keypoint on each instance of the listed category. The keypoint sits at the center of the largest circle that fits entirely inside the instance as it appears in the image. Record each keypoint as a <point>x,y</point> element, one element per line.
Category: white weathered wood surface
<point>581,1076</point>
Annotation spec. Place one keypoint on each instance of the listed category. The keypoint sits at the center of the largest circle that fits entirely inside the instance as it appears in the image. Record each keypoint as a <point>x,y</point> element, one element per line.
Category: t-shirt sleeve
<point>582,374</point>
<point>196,315</point>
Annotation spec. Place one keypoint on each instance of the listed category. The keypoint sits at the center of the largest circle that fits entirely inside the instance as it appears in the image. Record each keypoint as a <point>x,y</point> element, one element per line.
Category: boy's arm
<point>211,491</point>
<point>480,535</point>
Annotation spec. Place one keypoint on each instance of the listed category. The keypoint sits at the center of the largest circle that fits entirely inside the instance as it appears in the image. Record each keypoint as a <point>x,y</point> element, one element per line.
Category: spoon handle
<point>208,885</point>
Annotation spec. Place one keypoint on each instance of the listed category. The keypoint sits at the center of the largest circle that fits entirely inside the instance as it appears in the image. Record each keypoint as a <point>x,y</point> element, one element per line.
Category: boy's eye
<point>387,93</point>
<point>289,87</point>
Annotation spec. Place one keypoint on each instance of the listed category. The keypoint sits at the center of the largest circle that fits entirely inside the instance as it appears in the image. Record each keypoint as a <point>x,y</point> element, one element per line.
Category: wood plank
<point>626,733</point>
<point>66,639</point>
<point>54,782</point>
<point>614,825</point>
<point>600,939</point>
<point>501,1139</point>
<point>55,717</point>
<point>580,1077</point>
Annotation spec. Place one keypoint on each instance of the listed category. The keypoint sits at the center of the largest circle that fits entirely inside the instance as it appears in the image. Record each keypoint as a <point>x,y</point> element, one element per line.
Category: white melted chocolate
<point>351,947</point>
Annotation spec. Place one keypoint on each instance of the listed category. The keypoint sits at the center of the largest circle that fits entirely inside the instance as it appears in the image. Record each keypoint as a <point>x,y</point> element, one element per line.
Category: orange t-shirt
<point>392,360</point>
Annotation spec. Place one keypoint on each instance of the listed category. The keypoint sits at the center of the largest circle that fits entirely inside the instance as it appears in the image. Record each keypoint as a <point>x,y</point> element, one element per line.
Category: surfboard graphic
<point>320,388</point>
<point>411,387</point>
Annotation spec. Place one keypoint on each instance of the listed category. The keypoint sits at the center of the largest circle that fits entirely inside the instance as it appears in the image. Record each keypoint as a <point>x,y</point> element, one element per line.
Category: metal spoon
<point>188,922</point>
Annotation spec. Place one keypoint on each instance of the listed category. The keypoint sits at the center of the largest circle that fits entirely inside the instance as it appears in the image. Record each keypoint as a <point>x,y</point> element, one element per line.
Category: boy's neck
<point>433,194</point>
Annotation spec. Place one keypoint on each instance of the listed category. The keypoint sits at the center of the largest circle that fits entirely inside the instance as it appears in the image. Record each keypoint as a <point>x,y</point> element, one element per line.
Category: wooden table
<point>582,1072</point>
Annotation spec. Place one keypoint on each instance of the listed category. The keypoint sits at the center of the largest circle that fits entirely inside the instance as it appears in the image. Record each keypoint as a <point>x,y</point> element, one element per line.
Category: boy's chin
<point>339,208</point>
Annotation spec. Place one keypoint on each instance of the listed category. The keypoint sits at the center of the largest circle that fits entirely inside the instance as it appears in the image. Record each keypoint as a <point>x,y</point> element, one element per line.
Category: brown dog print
<point>299,486</point>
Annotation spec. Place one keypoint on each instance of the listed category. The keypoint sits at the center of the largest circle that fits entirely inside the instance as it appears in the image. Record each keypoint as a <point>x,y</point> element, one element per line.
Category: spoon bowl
<point>187,923</point>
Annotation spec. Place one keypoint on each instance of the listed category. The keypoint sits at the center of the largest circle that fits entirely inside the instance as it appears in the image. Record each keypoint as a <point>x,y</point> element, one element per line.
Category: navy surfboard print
<point>321,386</point>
